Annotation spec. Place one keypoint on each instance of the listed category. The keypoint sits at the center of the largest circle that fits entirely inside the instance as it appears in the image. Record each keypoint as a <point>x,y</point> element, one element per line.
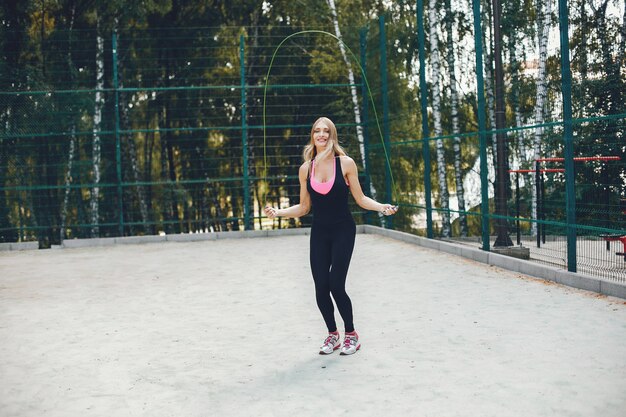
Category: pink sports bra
<point>323,187</point>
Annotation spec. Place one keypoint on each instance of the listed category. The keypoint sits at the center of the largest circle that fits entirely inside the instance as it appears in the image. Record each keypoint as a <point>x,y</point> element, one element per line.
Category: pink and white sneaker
<point>350,344</point>
<point>331,343</point>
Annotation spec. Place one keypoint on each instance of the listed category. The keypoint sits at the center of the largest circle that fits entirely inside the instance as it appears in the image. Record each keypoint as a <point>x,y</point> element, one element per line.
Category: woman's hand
<point>388,209</point>
<point>271,212</point>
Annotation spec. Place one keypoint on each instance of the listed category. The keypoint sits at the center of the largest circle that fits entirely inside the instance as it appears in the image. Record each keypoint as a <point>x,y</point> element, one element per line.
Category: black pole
<point>502,238</point>
<point>543,209</point>
<point>538,194</point>
<point>425,130</point>
<point>517,208</point>
<point>388,222</point>
<point>607,196</point>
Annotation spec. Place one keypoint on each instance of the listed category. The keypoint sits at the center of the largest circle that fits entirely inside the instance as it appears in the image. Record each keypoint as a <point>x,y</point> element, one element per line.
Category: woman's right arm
<point>298,210</point>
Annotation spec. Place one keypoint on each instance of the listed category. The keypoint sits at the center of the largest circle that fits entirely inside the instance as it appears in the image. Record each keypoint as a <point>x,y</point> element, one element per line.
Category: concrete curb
<point>185,237</point>
<point>5,247</point>
<point>575,280</point>
<point>548,273</point>
<point>85,243</point>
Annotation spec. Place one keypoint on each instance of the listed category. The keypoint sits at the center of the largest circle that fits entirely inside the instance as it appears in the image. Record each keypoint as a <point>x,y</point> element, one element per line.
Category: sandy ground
<point>230,328</point>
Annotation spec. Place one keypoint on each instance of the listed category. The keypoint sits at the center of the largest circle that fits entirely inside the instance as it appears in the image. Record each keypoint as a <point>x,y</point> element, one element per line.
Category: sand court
<point>230,328</point>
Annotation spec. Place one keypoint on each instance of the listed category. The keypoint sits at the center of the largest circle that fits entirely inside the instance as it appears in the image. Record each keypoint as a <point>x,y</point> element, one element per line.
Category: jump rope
<point>267,77</point>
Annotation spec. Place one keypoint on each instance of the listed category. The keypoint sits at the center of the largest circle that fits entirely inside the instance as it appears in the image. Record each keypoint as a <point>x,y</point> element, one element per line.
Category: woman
<point>325,178</point>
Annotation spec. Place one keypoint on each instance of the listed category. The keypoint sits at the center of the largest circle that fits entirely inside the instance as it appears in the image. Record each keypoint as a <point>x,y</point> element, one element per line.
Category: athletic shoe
<point>330,344</point>
<point>350,344</point>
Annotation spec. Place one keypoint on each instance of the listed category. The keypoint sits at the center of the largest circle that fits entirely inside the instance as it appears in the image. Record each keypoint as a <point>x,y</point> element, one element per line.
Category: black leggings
<point>331,250</point>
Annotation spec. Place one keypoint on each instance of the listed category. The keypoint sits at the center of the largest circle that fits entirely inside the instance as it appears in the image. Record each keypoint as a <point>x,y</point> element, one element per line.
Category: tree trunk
<point>205,213</point>
<point>454,100</point>
<point>68,180</point>
<point>5,221</point>
<point>622,43</point>
<point>13,44</point>
<point>167,155</point>
<point>583,57</point>
<point>515,70</point>
<point>436,103</point>
<point>148,150</point>
<point>44,200</point>
<point>489,77</point>
<point>611,64</point>
<point>171,163</point>
<point>166,192</point>
<point>72,147</point>
<point>251,100</point>
<point>97,127</point>
<point>259,202</point>
<point>353,92</point>
<point>544,9</point>
<point>130,148</point>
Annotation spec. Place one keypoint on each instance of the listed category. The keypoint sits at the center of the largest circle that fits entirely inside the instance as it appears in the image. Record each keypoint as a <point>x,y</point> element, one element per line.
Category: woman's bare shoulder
<point>347,162</point>
<point>304,168</point>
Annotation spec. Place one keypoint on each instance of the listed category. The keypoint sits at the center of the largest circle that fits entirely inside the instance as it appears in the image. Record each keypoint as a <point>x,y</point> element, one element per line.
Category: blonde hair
<point>333,146</point>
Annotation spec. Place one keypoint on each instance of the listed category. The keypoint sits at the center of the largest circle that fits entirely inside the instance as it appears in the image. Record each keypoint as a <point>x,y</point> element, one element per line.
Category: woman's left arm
<point>349,168</point>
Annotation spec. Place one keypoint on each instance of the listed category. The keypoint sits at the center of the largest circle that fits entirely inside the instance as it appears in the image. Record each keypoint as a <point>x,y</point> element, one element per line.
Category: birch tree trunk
<point>583,56</point>
<point>97,127</point>
<point>72,147</point>
<point>454,108</point>
<point>620,61</point>
<point>435,64</point>
<point>489,76</point>
<point>353,92</point>
<point>68,181</point>
<point>544,9</point>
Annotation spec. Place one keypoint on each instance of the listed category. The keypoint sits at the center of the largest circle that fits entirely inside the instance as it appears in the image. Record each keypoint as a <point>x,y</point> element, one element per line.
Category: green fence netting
<point>161,131</point>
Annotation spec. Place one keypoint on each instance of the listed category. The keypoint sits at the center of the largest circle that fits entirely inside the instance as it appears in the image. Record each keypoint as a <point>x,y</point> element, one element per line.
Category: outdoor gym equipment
<point>540,193</point>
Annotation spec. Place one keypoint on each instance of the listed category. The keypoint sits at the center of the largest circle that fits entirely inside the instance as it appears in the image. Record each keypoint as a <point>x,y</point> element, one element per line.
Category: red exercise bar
<point>581,159</point>
<point>527,171</point>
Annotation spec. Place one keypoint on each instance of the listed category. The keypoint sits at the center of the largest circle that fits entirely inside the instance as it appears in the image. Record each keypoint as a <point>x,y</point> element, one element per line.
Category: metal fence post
<point>517,210</point>
<point>386,132</point>
<point>480,91</point>
<point>568,136</point>
<point>538,193</point>
<point>502,175</point>
<point>244,137</point>
<point>425,129</point>
<point>118,147</point>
